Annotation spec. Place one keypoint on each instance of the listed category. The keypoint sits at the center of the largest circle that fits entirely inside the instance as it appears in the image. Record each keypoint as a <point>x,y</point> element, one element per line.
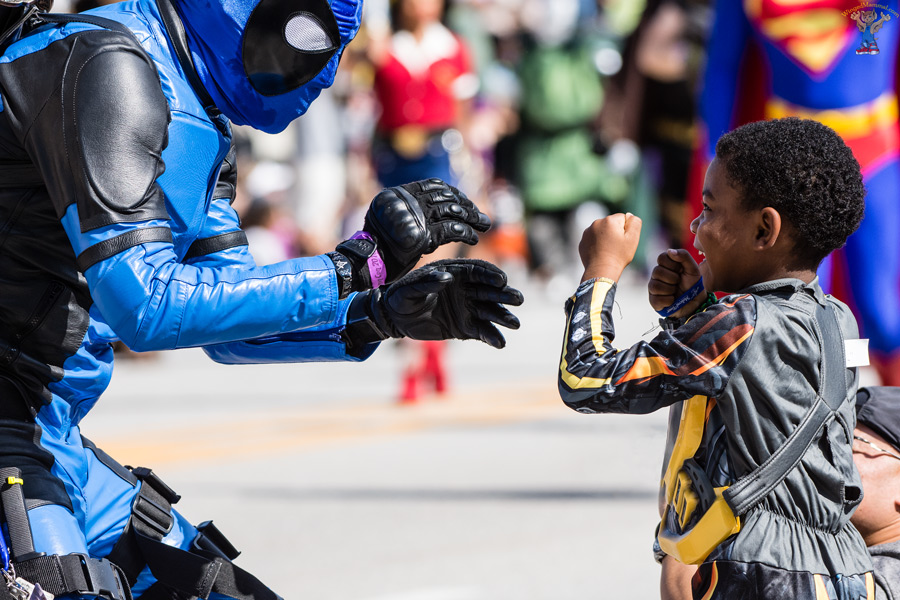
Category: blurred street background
<point>453,471</point>
<point>333,491</point>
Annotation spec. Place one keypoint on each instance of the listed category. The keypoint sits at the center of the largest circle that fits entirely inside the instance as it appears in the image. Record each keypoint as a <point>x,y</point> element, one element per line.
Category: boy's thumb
<point>684,257</point>
<point>633,224</point>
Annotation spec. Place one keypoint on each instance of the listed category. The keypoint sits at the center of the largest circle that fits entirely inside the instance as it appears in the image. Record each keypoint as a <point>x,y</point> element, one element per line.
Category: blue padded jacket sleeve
<point>153,302</point>
<point>724,51</point>
<point>317,344</point>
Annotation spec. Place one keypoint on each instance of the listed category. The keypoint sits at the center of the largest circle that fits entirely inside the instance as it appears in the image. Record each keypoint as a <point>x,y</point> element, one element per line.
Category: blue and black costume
<point>116,180</point>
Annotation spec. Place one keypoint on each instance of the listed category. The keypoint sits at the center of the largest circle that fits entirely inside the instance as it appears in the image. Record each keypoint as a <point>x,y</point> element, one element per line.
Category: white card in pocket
<point>856,352</point>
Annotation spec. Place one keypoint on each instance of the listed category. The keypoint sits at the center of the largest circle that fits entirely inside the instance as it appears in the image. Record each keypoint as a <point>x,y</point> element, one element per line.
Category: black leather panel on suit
<point>91,62</point>
<point>44,298</point>
<point>125,137</point>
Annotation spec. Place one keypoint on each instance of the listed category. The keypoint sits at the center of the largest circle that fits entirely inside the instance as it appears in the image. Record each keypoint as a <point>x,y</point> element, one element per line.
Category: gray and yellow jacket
<point>756,357</point>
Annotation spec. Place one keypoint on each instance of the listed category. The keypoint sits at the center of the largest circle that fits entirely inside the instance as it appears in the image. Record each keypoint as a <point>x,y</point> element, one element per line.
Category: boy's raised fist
<point>608,246</point>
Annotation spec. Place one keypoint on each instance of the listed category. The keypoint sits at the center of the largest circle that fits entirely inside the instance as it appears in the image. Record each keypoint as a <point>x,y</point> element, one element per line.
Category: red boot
<point>433,366</point>
<point>409,394</point>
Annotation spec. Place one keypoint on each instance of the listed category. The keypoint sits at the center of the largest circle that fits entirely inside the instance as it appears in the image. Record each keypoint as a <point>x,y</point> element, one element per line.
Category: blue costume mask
<point>264,61</point>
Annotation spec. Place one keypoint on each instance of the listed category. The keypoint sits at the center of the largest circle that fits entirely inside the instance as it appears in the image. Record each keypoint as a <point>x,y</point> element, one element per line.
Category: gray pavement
<point>334,492</point>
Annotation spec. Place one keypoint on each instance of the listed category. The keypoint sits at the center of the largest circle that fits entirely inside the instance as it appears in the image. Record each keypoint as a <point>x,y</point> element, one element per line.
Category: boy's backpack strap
<point>748,491</point>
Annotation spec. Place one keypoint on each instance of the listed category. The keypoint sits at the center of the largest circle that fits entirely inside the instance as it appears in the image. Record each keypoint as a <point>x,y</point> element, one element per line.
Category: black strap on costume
<point>151,515</point>
<point>13,500</point>
<point>59,575</point>
<point>216,243</point>
<point>114,245</point>
<point>752,488</point>
<point>178,38</point>
<point>75,574</point>
<point>82,18</point>
<point>205,569</point>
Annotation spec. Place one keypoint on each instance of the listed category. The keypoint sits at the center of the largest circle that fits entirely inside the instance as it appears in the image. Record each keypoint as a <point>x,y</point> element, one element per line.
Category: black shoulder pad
<point>103,148</point>
<point>121,121</point>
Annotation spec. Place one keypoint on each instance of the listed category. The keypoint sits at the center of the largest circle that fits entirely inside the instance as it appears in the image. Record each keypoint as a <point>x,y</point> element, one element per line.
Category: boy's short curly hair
<point>805,171</point>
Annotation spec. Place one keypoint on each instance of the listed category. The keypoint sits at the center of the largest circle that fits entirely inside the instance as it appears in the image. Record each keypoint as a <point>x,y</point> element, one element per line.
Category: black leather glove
<point>415,218</point>
<point>448,299</point>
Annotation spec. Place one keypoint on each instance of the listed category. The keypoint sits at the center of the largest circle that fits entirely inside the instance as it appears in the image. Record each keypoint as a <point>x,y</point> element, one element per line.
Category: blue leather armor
<point>116,223</point>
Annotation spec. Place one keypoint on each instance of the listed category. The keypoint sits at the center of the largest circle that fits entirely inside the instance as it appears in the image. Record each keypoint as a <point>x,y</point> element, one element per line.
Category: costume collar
<point>812,288</point>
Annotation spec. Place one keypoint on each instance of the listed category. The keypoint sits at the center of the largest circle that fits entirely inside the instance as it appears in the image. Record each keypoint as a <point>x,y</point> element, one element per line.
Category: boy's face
<point>724,234</point>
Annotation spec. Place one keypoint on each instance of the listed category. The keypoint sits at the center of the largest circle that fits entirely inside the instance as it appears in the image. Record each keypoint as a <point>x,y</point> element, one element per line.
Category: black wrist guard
<point>352,260</point>
<point>344,270</point>
<point>358,251</point>
<point>361,328</point>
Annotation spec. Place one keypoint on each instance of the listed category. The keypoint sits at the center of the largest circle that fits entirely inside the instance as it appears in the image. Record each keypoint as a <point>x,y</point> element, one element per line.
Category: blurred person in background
<point>656,98</point>
<point>319,192</point>
<point>424,83</point>
<point>119,224</point>
<point>491,29</point>
<point>557,157</point>
<point>770,59</point>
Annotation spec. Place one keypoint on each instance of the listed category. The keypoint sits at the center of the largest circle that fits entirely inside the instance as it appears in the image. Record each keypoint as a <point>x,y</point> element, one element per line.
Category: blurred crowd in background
<point>546,113</point>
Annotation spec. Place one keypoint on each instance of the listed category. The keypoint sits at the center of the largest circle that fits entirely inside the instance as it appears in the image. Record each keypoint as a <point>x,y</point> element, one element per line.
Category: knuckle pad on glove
<point>427,185</point>
<point>398,221</point>
<point>456,232</point>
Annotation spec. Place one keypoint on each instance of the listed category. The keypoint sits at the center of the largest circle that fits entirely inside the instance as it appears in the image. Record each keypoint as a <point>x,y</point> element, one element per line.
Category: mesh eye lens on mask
<point>287,43</point>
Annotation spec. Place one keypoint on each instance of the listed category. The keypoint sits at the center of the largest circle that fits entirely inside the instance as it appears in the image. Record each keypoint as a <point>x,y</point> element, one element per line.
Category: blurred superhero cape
<point>750,106</point>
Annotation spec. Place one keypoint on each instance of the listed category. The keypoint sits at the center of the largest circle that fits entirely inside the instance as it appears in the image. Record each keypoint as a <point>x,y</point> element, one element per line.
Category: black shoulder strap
<point>82,18</point>
<point>178,38</point>
<point>15,514</point>
<point>751,489</point>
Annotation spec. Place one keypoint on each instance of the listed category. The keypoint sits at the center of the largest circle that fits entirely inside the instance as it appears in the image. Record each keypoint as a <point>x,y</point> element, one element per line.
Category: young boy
<point>751,367</point>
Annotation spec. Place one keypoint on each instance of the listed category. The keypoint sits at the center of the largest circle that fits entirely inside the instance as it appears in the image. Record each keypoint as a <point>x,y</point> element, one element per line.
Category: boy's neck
<point>804,275</point>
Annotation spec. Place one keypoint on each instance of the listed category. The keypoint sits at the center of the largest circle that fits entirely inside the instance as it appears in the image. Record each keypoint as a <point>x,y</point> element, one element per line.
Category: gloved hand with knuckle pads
<point>447,299</point>
<point>416,218</point>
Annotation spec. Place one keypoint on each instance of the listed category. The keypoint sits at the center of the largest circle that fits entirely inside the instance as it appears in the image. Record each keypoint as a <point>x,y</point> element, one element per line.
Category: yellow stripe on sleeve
<point>602,286</point>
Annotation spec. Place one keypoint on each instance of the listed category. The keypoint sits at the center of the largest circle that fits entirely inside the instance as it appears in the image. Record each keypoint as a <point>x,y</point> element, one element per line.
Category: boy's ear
<point>768,228</point>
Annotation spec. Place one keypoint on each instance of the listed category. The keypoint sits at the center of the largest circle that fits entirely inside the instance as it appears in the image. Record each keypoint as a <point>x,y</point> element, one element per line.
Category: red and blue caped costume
<point>810,68</point>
